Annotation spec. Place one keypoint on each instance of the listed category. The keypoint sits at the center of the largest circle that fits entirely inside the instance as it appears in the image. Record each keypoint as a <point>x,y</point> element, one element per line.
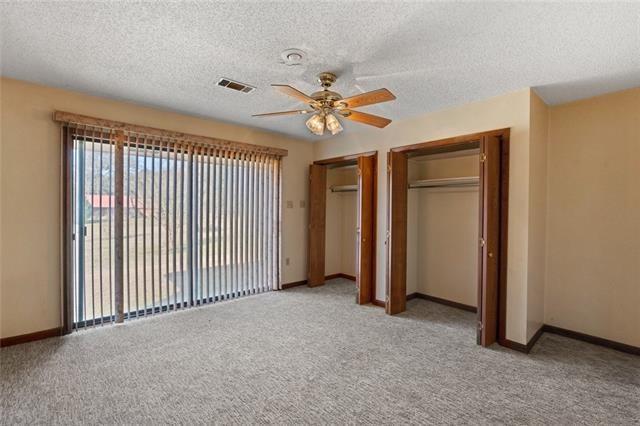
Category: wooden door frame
<point>316,226</point>
<point>352,159</point>
<point>396,282</point>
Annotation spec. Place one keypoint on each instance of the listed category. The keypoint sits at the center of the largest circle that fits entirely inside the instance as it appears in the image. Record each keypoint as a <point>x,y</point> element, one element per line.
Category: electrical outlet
<point>289,204</point>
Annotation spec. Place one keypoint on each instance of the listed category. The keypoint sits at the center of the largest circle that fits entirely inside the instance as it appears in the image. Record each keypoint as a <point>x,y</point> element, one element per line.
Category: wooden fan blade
<point>363,117</point>
<point>298,111</point>
<point>293,92</point>
<point>368,98</point>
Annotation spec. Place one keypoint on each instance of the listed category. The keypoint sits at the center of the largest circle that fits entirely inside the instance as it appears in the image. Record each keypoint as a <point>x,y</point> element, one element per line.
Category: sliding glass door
<point>198,224</point>
<point>93,235</point>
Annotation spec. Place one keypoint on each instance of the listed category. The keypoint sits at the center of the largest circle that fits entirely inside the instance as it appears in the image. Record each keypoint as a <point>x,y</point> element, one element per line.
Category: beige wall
<point>448,244</point>
<point>593,220</point>
<point>574,207</point>
<point>30,198</point>
<point>509,110</point>
<point>349,232</point>
<point>340,243</point>
<point>443,167</point>
<point>444,233</point>
<point>539,125</point>
<point>333,225</point>
<point>413,221</point>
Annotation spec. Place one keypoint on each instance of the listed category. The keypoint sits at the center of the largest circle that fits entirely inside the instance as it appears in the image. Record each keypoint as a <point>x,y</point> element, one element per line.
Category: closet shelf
<point>449,182</point>
<point>344,188</point>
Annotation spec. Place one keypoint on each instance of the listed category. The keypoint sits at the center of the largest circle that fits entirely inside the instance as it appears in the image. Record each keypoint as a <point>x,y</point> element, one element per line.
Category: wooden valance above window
<point>132,130</point>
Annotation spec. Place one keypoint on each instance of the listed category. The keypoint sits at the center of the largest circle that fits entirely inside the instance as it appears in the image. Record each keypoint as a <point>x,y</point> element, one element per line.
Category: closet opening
<point>447,227</point>
<point>443,229</point>
<point>342,222</point>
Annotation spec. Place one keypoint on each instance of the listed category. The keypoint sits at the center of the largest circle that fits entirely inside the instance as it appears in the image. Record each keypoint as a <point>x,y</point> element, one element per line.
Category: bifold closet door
<point>397,180</point>
<point>364,245</point>
<point>317,219</point>
<point>489,240</point>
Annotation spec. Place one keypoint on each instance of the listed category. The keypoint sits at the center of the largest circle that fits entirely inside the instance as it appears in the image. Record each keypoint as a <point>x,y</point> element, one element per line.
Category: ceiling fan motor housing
<point>326,95</point>
<point>326,79</point>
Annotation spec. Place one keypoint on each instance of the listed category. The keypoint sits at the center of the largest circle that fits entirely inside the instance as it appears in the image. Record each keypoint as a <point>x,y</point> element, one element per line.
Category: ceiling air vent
<point>235,85</point>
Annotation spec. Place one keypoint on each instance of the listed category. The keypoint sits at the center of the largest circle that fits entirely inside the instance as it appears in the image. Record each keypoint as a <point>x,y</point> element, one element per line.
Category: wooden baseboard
<point>347,277</point>
<point>327,278</point>
<point>535,338</point>
<point>293,284</point>
<point>339,275</point>
<point>514,345</point>
<point>622,347</point>
<point>521,347</point>
<point>442,301</point>
<point>30,337</point>
<point>423,296</point>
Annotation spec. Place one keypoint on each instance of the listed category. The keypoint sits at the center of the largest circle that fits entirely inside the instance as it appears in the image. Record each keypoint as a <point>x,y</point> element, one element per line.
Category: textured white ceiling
<point>430,55</point>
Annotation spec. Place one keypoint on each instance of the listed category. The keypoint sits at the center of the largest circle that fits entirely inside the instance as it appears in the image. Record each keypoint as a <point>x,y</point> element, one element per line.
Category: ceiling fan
<point>326,104</point>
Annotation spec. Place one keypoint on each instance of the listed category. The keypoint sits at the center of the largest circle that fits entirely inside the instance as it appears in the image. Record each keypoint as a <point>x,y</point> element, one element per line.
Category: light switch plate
<point>289,204</point>
<point>303,204</point>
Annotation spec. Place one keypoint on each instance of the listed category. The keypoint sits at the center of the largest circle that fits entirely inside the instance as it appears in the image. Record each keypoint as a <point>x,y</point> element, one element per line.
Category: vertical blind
<point>158,224</point>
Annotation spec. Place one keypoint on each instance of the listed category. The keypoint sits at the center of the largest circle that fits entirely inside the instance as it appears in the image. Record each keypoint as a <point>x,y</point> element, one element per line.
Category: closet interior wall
<point>442,237</point>
<point>341,222</point>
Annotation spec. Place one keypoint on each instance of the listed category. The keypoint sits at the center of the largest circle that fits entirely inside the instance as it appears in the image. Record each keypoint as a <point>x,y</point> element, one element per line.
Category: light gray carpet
<point>312,356</point>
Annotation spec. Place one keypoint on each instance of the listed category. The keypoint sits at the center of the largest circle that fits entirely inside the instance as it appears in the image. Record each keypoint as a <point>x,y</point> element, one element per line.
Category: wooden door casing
<point>365,256</point>
<point>489,240</point>
<point>397,170</point>
<point>317,224</point>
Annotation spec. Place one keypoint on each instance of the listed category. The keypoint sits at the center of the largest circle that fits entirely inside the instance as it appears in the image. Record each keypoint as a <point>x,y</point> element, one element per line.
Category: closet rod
<point>449,182</point>
<point>344,188</point>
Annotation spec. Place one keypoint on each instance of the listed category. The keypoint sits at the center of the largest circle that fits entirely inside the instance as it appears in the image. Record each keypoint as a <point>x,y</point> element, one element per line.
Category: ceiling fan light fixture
<point>316,124</point>
<point>326,106</point>
<point>333,124</point>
